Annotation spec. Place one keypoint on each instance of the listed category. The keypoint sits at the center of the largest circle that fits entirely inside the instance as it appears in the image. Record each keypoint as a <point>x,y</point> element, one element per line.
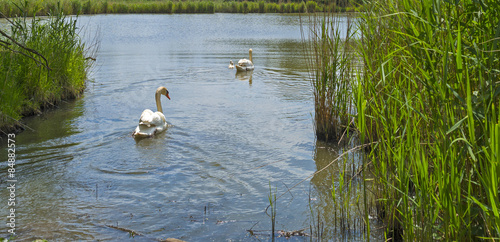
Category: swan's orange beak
<point>168,96</point>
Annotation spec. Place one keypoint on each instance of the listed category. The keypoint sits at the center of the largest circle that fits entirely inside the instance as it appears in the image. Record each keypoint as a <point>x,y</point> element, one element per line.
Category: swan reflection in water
<point>244,76</point>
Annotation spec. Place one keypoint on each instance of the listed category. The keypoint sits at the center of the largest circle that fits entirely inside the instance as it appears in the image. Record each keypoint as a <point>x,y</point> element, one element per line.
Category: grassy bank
<point>42,62</point>
<point>428,98</point>
<point>72,7</point>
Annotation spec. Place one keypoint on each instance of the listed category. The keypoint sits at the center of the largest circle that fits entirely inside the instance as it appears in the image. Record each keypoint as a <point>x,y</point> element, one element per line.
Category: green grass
<point>428,100</point>
<point>272,206</point>
<point>30,82</point>
<point>73,7</point>
<point>331,73</point>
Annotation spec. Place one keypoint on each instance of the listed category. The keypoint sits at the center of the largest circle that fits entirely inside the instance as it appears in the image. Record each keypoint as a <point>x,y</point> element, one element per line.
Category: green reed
<point>342,215</point>
<point>427,100</point>
<point>272,205</point>
<point>331,68</point>
<point>28,81</point>
<point>74,7</point>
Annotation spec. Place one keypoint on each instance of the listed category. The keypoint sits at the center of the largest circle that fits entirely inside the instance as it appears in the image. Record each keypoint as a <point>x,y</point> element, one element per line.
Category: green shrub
<point>262,6</point>
<point>300,8</point>
<point>272,8</point>
<point>311,6</point>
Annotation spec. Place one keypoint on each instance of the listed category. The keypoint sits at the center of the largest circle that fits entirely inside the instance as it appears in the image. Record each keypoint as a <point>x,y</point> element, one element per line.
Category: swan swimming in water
<point>244,64</point>
<point>231,64</point>
<point>152,123</point>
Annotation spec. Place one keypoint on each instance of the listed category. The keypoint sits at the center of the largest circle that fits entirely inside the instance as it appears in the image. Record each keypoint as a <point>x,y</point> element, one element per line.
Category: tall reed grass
<point>75,7</point>
<point>332,64</point>
<point>331,68</point>
<point>427,103</point>
<point>427,99</point>
<point>28,81</point>
<point>272,206</point>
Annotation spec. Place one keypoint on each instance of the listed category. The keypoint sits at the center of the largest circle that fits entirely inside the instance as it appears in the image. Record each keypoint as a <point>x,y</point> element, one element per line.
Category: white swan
<point>244,64</point>
<point>151,122</point>
<point>231,64</point>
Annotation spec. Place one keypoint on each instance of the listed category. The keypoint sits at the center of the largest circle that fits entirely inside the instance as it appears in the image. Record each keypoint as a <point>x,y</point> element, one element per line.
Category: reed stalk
<point>79,7</point>
<point>331,73</point>
<point>427,97</point>
<point>272,205</point>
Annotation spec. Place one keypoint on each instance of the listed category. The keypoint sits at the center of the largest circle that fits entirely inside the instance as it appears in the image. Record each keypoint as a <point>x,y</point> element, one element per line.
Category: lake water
<point>81,175</point>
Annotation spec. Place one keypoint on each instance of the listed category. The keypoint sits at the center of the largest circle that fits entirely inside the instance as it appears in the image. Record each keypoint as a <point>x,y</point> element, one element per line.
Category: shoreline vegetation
<point>424,103</point>
<point>43,61</point>
<point>426,111</point>
<point>36,74</point>
<point>80,7</point>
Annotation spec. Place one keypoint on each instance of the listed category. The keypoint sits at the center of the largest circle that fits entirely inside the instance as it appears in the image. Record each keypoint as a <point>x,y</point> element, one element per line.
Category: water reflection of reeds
<point>337,200</point>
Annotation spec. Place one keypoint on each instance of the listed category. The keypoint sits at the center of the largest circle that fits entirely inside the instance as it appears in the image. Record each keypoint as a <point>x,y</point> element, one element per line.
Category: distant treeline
<point>73,7</point>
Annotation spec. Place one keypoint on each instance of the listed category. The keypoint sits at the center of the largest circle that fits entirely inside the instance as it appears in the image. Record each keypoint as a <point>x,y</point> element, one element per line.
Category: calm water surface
<point>208,176</point>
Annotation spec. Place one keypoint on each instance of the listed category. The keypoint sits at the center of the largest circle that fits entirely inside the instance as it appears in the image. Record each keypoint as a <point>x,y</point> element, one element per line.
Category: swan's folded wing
<point>244,65</point>
<point>147,118</point>
<point>160,119</point>
<point>150,123</point>
<point>244,62</point>
<point>153,123</point>
<point>156,119</point>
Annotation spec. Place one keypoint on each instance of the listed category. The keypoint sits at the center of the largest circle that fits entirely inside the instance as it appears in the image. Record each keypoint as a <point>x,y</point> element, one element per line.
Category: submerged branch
<point>16,122</point>
<point>130,231</point>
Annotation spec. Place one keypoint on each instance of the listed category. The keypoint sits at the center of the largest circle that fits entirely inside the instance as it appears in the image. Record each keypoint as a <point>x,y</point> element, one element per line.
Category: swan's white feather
<point>150,123</point>
<point>244,65</point>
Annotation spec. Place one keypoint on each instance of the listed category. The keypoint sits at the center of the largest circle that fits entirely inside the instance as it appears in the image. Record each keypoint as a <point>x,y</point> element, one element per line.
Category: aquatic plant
<point>76,7</point>
<point>330,64</point>
<point>340,211</point>
<point>272,206</point>
<point>427,100</point>
<point>312,7</point>
<point>43,62</point>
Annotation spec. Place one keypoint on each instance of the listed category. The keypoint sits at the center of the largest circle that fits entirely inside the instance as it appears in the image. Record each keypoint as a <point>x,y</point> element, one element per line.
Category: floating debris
<point>130,231</point>
<point>171,240</point>
<point>288,234</point>
<point>223,222</point>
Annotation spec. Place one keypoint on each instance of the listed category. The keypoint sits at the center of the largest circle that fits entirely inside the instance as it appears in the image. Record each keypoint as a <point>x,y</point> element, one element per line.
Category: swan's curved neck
<point>158,102</point>
<point>250,55</point>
